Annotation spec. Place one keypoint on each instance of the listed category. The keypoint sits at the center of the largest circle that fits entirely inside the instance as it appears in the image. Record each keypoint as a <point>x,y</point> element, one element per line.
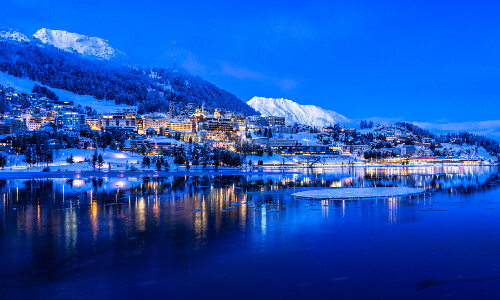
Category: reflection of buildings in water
<point>140,219</point>
<point>93,216</point>
<point>436,177</point>
<point>70,230</point>
<point>163,202</point>
<point>392,209</point>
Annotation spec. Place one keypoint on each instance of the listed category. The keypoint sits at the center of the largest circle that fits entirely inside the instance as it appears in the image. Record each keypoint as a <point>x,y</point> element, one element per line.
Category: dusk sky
<point>422,61</point>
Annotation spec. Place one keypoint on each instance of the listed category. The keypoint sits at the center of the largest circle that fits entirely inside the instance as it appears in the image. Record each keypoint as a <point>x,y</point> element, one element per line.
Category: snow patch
<point>357,193</point>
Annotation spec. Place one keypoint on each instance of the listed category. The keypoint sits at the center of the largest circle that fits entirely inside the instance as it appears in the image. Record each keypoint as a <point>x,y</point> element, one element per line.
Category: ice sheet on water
<point>357,193</point>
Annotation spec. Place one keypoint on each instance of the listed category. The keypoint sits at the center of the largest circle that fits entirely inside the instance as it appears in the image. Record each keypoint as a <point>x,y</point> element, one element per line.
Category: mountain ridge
<point>294,112</point>
<point>10,34</point>
<point>82,44</point>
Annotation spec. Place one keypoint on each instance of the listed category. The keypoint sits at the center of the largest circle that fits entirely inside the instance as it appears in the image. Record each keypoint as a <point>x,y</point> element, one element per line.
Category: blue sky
<point>420,61</point>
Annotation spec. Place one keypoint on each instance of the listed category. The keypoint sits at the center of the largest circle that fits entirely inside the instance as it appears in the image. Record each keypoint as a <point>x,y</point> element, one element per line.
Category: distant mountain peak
<point>74,42</point>
<point>13,35</point>
<point>296,113</point>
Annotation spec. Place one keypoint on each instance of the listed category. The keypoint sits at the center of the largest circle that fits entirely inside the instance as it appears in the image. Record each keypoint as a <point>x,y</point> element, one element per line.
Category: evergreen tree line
<point>250,148</point>
<point>3,161</point>
<point>374,154</point>
<point>489,144</point>
<point>4,104</point>
<point>97,160</point>
<point>113,138</point>
<point>41,90</point>
<point>37,154</point>
<point>366,124</point>
<point>195,155</point>
<point>416,130</point>
<point>21,142</point>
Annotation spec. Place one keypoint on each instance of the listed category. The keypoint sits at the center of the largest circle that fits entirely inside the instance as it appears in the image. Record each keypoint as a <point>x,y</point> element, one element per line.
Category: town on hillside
<point>39,130</point>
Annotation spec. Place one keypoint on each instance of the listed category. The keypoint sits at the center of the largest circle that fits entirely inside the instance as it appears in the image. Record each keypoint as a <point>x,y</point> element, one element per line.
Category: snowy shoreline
<point>128,173</point>
<point>378,165</point>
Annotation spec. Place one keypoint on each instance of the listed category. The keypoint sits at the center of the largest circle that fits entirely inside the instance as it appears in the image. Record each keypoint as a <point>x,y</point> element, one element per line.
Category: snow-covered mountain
<point>13,35</point>
<point>295,113</point>
<point>88,46</point>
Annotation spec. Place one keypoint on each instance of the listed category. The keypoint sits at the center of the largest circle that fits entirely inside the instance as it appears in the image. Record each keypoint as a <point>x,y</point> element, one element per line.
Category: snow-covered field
<point>23,85</point>
<point>357,193</point>
<point>113,160</point>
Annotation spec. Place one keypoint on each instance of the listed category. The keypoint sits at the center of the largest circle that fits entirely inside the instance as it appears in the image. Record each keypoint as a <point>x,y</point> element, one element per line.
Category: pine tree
<point>3,161</point>
<point>94,160</point>
<point>28,156</point>
<point>145,161</point>
<point>142,150</point>
<point>100,161</point>
<point>216,158</point>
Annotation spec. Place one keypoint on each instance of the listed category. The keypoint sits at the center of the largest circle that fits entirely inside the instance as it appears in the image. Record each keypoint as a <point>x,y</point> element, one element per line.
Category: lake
<point>243,236</point>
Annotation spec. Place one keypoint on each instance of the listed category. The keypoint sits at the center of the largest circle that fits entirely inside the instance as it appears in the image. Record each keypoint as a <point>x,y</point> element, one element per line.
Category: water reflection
<point>53,226</point>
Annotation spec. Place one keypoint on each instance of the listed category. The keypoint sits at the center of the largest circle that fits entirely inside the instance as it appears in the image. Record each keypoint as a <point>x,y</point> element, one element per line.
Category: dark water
<point>131,237</point>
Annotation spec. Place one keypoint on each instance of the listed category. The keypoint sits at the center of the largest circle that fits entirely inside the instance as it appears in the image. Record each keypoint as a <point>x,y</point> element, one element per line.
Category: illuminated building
<point>159,121</point>
<point>238,119</point>
<point>139,124</point>
<point>179,126</point>
<point>306,150</point>
<point>34,122</point>
<point>11,125</point>
<point>405,150</point>
<point>94,123</point>
<point>218,124</point>
<point>118,121</point>
<point>70,120</point>
<point>256,121</point>
<point>274,120</point>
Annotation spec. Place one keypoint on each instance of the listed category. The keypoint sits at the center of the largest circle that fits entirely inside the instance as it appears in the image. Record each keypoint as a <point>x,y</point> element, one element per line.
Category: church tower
<point>171,110</point>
